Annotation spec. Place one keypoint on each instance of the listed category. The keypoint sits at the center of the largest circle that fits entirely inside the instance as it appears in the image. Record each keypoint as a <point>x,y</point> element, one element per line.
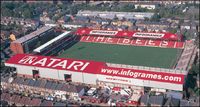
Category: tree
<point>197,91</point>
<point>115,18</point>
<point>173,30</point>
<point>127,8</point>
<point>155,17</point>
<point>6,12</point>
<point>195,69</point>
<point>27,13</point>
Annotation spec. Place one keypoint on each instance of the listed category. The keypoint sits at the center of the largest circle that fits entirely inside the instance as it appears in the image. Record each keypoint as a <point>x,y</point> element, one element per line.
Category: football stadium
<point>123,54</point>
<point>110,58</point>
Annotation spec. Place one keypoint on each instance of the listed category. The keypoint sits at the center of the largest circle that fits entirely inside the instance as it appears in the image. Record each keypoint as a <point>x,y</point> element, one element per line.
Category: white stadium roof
<point>51,41</point>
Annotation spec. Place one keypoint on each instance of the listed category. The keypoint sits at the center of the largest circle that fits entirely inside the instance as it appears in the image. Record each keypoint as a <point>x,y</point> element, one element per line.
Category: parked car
<point>92,91</point>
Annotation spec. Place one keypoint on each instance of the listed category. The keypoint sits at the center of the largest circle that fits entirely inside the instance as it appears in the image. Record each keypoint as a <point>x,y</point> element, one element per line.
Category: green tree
<point>27,13</point>
<point>155,17</point>
<point>127,8</point>
<point>173,30</point>
<point>195,69</point>
<point>7,12</point>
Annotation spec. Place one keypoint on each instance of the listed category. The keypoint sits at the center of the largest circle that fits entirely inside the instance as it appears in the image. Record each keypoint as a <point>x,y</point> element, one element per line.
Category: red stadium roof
<point>130,34</point>
<point>93,67</point>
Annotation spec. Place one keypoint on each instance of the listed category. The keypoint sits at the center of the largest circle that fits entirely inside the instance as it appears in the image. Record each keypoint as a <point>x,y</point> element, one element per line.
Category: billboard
<point>143,75</point>
<point>55,63</point>
<point>129,34</point>
<point>103,32</point>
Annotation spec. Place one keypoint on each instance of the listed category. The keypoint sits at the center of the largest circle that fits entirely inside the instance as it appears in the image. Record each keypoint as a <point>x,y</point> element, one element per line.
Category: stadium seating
<point>167,44</point>
<point>179,45</point>
<point>138,42</point>
<point>134,42</point>
<point>153,43</point>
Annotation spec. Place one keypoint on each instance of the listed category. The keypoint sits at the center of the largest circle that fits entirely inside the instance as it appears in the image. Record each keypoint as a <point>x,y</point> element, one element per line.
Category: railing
<point>176,71</point>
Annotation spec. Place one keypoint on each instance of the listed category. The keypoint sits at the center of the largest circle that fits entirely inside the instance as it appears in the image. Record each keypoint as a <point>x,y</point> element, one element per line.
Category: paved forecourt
<point>124,54</point>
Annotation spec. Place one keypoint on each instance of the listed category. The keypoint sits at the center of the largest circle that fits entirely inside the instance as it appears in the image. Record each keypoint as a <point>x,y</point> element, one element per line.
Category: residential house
<point>59,93</point>
<point>188,103</point>
<point>30,85</point>
<point>153,25</point>
<point>133,21</point>
<point>4,34</point>
<point>174,94</point>
<point>132,28</point>
<point>104,26</point>
<point>4,82</point>
<point>170,20</point>
<point>95,20</point>
<point>41,87</point>
<point>111,27</point>
<point>127,23</point>
<point>198,81</point>
<point>81,19</point>
<point>194,99</point>
<point>61,20</point>
<point>175,20</point>
<point>172,102</point>
<point>116,22</point>
<point>18,34</point>
<point>114,98</point>
<point>46,103</point>
<point>48,87</point>
<point>59,104</point>
<point>71,25</point>
<point>11,100</point>
<point>194,26</point>
<point>150,6</point>
<point>174,25</point>
<point>185,25</point>
<point>141,28</point>
<point>50,23</point>
<point>105,21</point>
<point>156,100</point>
<point>122,27</point>
<point>36,102</point>
<point>112,15</point>
<point>25,85</point>
<point>144,100</point>
<point>18,98</point>
<point>27,101</point>
<point>75,92</point>
<point>44,18</point>
<point>19,21</point>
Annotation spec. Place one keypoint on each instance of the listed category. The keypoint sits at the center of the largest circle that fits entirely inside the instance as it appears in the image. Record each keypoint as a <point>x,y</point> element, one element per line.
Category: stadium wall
<point>89,72</point>
<point>92,78</point>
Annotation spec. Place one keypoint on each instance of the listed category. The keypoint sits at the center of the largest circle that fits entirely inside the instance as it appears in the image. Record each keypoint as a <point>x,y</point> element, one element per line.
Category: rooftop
<point>33,34</point>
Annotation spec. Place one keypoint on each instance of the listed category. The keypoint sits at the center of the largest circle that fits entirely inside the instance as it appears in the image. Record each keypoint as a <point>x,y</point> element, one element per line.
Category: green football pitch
<point>123,54</point>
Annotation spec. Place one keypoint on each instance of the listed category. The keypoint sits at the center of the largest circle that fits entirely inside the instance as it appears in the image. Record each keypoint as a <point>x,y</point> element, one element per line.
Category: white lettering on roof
<point>75,64</point>
<point>149,35</point>
<point>103,32</point>
<point>54,63</point>
<point>62,64</point>
<point>42,62</point>
<point>27,60</point>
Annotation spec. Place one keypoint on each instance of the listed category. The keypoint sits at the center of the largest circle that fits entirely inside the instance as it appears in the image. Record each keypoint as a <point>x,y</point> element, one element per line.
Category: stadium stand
<point>187,56</point>
<point>27,43</point>
<point>50,43</point>
<point>55,45</point>
<point>133,41</point>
